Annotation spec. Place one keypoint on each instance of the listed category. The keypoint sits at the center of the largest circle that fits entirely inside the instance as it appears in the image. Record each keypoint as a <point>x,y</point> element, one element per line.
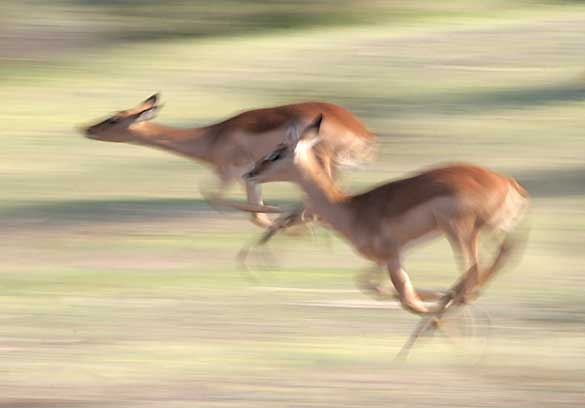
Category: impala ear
<point>152,100</point>
<point>297,131</point>
<point>146,114</point>
<point>310,136</point>
<point>314,125</point>
<point>293,133</point>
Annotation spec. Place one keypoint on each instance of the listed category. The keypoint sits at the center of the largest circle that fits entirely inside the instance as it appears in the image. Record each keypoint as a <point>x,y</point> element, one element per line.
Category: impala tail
<point>512,220</point>
<point>513,210</point>
<point>358,153</point>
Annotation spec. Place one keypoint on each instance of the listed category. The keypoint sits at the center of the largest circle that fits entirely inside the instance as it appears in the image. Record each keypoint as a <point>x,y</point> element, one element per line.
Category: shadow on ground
<point>113,211</point>
<point>550,183</point>
<point>476,101</point>
<point>545,183</point>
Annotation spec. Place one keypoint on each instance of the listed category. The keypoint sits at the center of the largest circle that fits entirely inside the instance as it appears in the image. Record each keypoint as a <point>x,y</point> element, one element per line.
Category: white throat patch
<point>303,146</point>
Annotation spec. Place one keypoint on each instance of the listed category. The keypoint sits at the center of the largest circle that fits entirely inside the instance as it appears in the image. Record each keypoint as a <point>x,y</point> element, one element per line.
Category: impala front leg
<point>371,281</point>
<point>281,223</point>
<point>408,296</point>
<point>215,197</point>
<point>254,194</point>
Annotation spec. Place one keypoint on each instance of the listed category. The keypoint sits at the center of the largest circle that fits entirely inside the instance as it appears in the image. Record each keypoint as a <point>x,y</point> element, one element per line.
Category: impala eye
<point>276,155</point>
<point>112,120</point>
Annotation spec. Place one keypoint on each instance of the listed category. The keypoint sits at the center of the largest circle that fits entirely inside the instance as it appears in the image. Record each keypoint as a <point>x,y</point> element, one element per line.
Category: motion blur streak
<point>119,286</point>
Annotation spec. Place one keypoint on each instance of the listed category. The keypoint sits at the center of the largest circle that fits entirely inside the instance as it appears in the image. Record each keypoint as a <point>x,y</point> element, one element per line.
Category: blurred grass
<point>106,23</point>
<point>119,286</point>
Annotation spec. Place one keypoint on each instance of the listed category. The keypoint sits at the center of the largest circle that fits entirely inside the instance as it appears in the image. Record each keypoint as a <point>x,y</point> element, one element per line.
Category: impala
<point>232,146</point>
<point>456,201</point>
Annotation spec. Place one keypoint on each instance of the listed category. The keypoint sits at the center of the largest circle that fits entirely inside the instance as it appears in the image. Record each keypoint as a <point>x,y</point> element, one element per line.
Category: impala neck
<point>195,143</point>
<point>326,199</point>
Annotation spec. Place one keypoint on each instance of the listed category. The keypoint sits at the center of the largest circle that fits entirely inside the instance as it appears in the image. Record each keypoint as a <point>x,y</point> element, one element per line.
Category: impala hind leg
<point>448,311</point>
<point>427,324</point>
<point>463,235</point>
<point>510,247</point>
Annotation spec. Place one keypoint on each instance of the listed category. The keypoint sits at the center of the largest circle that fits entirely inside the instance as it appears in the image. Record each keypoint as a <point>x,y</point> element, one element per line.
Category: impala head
<point>280,162</point>
<point>116,128</point>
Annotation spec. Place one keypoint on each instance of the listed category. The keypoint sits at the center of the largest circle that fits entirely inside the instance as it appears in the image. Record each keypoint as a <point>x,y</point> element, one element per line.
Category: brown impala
<point>232,146</point>
<point>456,200</point>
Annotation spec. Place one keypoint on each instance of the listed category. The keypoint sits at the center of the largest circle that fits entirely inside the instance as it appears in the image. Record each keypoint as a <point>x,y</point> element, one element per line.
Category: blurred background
<point>118,285</point>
